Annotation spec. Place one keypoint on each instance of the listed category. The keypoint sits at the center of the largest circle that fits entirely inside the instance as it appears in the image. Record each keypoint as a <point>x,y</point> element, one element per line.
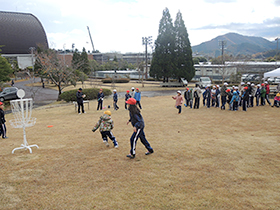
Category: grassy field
<point>204,159</point>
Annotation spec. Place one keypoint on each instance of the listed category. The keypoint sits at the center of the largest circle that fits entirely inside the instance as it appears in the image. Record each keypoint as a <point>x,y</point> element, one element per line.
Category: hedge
<point>90,93</point>
<point>119,80</point>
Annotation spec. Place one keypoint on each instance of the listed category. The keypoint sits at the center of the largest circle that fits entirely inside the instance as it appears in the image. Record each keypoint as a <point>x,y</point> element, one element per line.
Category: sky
<point>119,25</point>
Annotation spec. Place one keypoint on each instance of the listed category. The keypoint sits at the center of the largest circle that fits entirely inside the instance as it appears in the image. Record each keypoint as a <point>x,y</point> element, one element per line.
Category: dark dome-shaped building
<point>19,32</point>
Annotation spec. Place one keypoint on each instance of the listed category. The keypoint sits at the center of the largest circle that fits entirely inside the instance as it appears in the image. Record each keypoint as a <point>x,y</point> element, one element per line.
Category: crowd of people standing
<point>245,96</point>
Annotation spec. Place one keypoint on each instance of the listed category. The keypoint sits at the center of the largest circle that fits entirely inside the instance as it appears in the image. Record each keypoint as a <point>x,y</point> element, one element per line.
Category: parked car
<point>243,77</point>
<point>204,81</point>
<point>270,80</point>
<point>8,93</point>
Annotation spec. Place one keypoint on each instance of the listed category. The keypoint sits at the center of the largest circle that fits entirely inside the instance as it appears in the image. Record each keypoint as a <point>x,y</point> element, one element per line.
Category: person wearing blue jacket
<point>137,97</point>
<point>138,124</point>
<point>234,100</point>
<point>115,99</point>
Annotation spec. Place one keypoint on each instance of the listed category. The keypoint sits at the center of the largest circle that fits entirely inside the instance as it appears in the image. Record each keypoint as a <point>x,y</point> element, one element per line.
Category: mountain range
<point>235,44</point>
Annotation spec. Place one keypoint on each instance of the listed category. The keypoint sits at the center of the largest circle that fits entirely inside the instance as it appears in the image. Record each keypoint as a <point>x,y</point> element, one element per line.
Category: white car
<point>204,81</point>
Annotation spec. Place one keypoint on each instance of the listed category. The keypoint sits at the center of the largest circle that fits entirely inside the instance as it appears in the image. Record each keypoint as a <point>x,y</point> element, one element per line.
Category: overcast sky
<point>119,25</point>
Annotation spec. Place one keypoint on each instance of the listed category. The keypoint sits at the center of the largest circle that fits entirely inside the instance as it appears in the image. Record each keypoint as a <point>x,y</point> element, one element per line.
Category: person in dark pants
<point>115,99</point>
<point>100,97</point>
<point>127,96</point>
<point>263,92</point>
<point>208,96</point>
<point>224,96</point>
<point>3,129</point>
<point>105,125</point>
<point>80,100</point>
<point>196,94</point>
<point>218,95</point>
<point>245,97</point>
<point>258,94</point>
<point>137,97</point>
<point>186,96</point>
<point>137,122</point>
<point>267,92</point>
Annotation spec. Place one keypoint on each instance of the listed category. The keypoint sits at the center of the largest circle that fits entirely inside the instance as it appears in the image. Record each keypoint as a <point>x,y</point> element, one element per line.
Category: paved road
<point>42,95</point>
<point>45,96</point>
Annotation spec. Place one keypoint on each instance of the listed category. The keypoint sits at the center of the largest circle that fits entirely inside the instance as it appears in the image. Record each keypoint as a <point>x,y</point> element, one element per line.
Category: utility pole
<point>223,45</point>
<point>146,41</point>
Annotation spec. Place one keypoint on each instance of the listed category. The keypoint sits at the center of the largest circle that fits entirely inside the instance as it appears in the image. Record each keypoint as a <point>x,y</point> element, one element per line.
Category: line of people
<point>237,96</point>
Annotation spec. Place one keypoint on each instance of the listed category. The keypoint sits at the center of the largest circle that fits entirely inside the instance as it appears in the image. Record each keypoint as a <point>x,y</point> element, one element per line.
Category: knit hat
<point>1,103</point>
<point>225,83</point>
<point>100,89</point>
<point>262,84</point>
<point>108,112</point>
<point>132,88</point>
<point>217,86</point>
<point>228,90</point>
<point>246,88</point>
<point>179,91</point>
<point>127,91</point>
<point>114,90</point>
<point>131,101</point>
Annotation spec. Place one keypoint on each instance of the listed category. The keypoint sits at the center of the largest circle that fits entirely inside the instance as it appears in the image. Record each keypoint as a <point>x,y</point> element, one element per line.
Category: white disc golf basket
<point>22,110</point>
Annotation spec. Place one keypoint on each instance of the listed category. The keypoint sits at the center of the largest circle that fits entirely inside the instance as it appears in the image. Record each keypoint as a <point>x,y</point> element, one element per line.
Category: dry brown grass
<point>121,87</point>
<point>204,159</point>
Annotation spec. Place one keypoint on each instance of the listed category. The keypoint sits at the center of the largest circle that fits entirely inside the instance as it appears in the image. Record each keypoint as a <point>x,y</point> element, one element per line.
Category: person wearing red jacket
<point>267,93</point>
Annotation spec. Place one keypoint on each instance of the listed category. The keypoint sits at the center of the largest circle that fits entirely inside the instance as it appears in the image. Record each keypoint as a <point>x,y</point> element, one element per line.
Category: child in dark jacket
<point>245,98</point>
<point>137,122</point>
<point>115,99</point>
<point>127,96</point>
<point>3,129</point>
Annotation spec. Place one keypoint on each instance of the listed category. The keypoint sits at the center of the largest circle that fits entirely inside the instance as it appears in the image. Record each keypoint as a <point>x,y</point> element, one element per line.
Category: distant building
<point>218,72</point>
<point>18,33</point>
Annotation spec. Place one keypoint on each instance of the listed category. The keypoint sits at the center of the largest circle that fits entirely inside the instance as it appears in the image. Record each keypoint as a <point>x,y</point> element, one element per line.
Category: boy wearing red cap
<point>137,97</point>
<point>245,98</point>
<point>137,122</point>
<point>127,96</point>
<point>3,129</point>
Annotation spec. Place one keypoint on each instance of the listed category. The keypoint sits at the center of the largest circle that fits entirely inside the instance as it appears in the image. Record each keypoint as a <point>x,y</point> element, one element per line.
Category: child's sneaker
<point>130,156</point>
<point>149,152</point>
<point>116,145</point>
<point>106,143</point>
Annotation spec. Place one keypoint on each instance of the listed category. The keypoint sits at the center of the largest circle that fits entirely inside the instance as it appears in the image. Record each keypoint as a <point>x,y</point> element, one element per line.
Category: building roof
<point>19,32</point>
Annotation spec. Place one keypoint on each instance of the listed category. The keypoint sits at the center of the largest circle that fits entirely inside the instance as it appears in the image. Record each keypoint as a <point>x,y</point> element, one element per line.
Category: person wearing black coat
<point>100,97</point>
<point>80,100</point>
<point>3,129</point>
<point>245,98</point>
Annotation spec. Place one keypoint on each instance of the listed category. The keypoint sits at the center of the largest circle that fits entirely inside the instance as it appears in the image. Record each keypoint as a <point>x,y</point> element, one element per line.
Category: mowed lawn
<point>204,159</point>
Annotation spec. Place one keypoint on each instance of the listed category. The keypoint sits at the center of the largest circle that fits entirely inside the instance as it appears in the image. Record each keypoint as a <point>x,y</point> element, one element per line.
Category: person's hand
<point>134,129</point>
<point>127,122</point>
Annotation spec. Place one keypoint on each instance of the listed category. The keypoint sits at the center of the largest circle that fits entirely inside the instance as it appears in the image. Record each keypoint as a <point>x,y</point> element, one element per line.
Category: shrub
<point>119,80</point>
<point>90,93</point>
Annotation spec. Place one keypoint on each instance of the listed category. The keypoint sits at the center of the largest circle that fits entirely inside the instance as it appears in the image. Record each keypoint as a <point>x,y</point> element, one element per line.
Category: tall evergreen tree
<point>163,57</point>
<point>80,61</point>
<point>184,62</point>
